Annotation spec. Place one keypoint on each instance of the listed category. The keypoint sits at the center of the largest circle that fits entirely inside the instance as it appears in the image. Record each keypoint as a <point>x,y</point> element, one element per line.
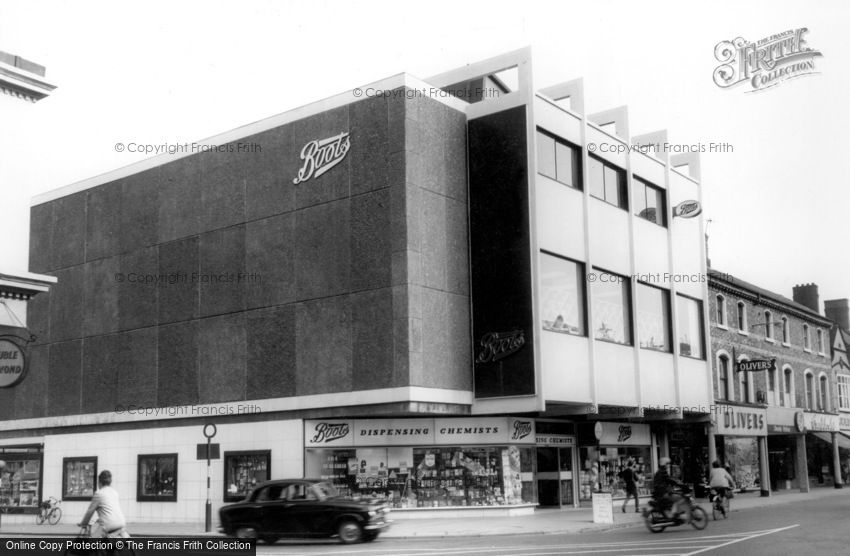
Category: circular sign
<point>597,430</point>
<point>13,364</point>
<point>800,421</point>
<point>210,430</point>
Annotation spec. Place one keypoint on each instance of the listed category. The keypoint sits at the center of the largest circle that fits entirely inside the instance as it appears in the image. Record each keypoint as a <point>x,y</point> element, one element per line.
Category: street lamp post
<point>209,431</point>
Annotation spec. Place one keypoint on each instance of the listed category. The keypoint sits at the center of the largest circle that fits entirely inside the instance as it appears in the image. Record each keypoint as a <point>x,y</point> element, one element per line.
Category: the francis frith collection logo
<point>498,345</point>
<point>764,63</point>
<point>322,155</point>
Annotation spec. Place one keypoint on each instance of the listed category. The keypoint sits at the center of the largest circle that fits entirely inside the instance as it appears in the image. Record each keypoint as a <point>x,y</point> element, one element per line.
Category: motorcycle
<point>656,521</point>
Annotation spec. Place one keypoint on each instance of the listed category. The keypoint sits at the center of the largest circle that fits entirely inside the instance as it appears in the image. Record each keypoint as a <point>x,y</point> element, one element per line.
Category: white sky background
<point>157,72</point>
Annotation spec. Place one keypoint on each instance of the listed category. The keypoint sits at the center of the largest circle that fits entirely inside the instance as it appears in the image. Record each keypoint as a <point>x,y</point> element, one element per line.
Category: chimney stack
<point>838,310</point>
<point>807,294</point>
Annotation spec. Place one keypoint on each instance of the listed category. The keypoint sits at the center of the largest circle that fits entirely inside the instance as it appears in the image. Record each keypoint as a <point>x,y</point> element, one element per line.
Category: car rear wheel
<point>350,531</point>
<point>246,532</point>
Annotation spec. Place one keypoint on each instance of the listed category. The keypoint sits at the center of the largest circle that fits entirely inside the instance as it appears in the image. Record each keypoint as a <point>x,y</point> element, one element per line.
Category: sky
<point>156,72</point>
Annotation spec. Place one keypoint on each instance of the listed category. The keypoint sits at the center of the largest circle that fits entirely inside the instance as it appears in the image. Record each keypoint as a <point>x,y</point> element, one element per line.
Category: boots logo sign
<point>322,155</point>
<point>498,345</point>
<point>328,432</point>
<point>625,432</point>
<point>521,429</point>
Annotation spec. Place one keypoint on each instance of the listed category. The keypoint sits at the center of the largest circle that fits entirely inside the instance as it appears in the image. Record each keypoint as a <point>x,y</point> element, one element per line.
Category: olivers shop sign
<point>739,421</point>
<point>13,364</point>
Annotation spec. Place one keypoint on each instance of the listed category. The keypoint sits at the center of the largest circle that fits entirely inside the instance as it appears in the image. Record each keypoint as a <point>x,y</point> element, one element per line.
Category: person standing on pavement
<point>110,518</point>
<point>630,480</point>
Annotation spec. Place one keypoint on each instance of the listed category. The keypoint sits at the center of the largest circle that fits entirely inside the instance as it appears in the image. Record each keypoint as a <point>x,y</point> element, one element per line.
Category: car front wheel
<point>349,531</point>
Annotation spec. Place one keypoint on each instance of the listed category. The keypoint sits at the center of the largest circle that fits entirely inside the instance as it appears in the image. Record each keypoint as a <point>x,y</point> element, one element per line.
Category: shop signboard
<point>328,432</point>
<point>12,364</point>
<point>821,422</point>
<point>622,434</point>
<point>556,440</point>
<point>731,420</point>
<point>844,421</point>
<point>603,507</point>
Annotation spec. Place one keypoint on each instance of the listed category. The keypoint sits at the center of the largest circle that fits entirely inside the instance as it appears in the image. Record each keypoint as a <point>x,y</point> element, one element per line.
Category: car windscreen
<point>325,490</point>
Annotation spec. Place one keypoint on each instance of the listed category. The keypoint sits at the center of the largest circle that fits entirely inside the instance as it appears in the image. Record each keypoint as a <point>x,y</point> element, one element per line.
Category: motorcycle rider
<point>662,489</point>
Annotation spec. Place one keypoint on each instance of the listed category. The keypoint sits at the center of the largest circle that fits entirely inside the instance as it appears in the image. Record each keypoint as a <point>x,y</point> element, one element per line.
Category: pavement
<point>543,521</point>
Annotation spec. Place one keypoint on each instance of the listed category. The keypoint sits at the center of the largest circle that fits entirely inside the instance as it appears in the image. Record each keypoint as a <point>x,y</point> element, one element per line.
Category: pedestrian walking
<point>629,478</point>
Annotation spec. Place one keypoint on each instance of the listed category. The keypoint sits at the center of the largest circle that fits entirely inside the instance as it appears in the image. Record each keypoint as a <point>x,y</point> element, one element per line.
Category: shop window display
<point>408,477</point>
<point>157,478</point>
<point>19,483</point>
<point>741,454</point>
<point>243,471</point>
<point>78,478</point>
<point>601,467</point>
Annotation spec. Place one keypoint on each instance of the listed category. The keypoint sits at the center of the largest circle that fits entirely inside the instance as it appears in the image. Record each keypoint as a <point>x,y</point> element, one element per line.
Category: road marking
<point>761,534</point>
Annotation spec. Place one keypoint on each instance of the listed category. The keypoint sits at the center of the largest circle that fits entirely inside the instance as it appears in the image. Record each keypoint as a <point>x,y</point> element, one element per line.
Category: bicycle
<point>719,503</point>
<point>85,536</point>
<point>49,511</point>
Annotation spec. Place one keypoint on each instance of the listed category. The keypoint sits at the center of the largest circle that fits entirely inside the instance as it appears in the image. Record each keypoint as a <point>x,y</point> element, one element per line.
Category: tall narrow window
<point>823,394</point>
<point>721,310</point>
<point>788,388</point>
<point>690,332</point>
<point>772,393</point>
<point>768,325</point>
<point>653,317</point>
<point>742,316</point>
<point>607,182</point>
<point>723,377</point>
<point>744,383</point>
<point>650,201</point>
<point>611,306</point>
<point>807,341</point>
<point>821,348</point>
<point>844,392</point>
<point>810,391</point>
<point>562,298</point>
<point>786,334</point>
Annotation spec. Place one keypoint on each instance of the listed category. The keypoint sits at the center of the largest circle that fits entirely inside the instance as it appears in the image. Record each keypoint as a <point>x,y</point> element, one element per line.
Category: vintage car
<point>302,508</point>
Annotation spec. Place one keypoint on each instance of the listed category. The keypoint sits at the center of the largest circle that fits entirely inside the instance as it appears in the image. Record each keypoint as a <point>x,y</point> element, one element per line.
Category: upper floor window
<point>650,201</point>
<point>745,387</point>
<point>807,341</point>
<point>788,387</point>
<point>742,317</point>
<point>821,348</point>
<point>607,182</point>
<point>844,392</point>
<point>653,317</point>
<point>768,325</point>
<point>786,333</point>
<point>690,332</point>
<point>721,310</point>
<point>810,391</point>
<point>723,377</point>
<point>611,306</point>
<point>558,159</point>
<point>823,394</point>
<point>562,297</point>
<point>772,392</point>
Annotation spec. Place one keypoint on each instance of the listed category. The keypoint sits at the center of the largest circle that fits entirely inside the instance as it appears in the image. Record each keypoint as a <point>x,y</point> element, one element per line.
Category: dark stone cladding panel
<point>41,237</point>
<point>333,184</point>
<point>433,239</point>
<point>371,242</point>
<point>101,361</point>
<point>323,346</point>
<point>38,318</point>
<point>31,393</point>
<point>64,381</point>
<point>270,261</point>
<point>103,220</point>
<point>437,370</point>
<point>222,280</point>
<point>101,295</point>
<point>222,183</point>
<point>222,346</point>
<point>66,304</point>
<point>138,300</point>
<point>139,210</point>
<point>370,162</point>
<point>179,201</point>
<point>179,293</point>
<point>271,352</point>
<point>137,370</point>
<point>323,250</point>
<point>269,189</point>
<point>372,340</point>
<point>8,399</point>
<point>177,364</point>
<point>69,231</point>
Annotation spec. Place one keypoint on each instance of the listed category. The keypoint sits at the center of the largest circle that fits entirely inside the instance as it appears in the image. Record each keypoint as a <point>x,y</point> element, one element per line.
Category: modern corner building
<point>449,293</point>
<point>777,424</point>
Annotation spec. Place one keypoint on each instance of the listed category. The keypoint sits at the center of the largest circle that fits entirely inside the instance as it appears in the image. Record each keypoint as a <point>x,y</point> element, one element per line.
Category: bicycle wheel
<point>726,506</point>
<point>715,508</point>
<point>39,517</point>
<point>55,515</point>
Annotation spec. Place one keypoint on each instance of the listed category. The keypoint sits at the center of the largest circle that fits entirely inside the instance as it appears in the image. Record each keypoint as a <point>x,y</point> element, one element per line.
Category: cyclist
<point>110,518</point>
<point>720,480</point>
<point>662,489</point>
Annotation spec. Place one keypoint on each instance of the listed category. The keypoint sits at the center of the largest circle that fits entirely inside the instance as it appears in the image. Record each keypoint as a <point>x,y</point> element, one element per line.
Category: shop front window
<point>157,478</point>
<point>741,454</point>
<point>78,478</point>
<point>20,481</point>
<point>408,477</point>
<point>601,467</point>
<point>243,471</point>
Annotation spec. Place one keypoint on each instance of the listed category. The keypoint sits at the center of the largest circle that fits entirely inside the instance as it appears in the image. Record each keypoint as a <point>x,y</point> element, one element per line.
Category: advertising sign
<point>739,421</point>
<point>13,364</point>
<point>625,434</point>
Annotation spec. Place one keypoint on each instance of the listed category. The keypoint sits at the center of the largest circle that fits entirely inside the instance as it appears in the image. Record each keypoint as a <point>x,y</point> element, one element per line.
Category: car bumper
<point>377,525</point>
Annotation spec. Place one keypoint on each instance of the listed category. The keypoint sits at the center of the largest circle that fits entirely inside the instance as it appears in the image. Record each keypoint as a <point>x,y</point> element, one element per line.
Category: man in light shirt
<point>110,518</point>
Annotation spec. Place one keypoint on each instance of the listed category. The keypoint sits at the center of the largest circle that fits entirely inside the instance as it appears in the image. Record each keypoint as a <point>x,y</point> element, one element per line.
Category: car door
<point>302,509</point>
<point>272,510</point>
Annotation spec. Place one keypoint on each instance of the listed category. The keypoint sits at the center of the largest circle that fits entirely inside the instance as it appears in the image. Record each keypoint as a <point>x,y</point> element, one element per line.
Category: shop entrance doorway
<point>555,476</point>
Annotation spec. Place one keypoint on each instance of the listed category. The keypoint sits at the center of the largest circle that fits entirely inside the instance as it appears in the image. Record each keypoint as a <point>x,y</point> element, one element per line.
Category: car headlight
<point>372,513</point>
